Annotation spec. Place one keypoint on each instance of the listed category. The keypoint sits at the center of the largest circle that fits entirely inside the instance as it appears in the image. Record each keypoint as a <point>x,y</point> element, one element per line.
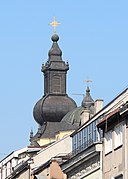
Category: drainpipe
<point>125,148</point>
<point>30,161</point>
<point>29,172</point>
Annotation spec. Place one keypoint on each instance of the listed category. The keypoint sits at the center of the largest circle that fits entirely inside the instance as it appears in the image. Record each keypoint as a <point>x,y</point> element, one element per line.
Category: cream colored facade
<point>58,136</point>
<point>45,141</point>
<point>60,147</point>
<point>24,175</point>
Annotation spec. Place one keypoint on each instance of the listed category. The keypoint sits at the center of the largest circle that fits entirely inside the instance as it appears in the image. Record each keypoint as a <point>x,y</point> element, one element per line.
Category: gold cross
<point>88,81</point>
<point>54,24</point>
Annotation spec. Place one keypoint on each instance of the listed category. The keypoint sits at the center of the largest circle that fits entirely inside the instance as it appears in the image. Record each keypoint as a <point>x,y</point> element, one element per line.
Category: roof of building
<point>109,111</point>
<point>55,103</point>
<point>52,108</point>
<point>114,116</point>
<point>74,116</point>
<point>54,127</point>
<point>88,102</point>
<point>50,129</point>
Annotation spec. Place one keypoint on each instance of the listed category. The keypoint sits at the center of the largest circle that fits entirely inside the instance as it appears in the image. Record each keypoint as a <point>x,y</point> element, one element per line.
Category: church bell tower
<point>55,103</point>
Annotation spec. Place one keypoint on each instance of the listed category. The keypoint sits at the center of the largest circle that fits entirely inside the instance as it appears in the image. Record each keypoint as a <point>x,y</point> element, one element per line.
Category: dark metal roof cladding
<point>55,103</point>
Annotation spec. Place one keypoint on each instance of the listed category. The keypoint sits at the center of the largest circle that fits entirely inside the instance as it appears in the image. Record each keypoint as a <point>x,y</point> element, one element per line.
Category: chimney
<point>85,115</point>
<point>98,105</point>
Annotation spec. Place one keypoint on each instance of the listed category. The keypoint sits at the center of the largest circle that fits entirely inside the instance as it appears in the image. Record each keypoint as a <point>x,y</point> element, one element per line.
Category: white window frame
<point>108,141</point>
<point>118,136</point>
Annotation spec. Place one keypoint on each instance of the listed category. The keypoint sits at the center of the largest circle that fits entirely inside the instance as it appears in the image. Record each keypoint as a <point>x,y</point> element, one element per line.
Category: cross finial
<point>87,81</point>
<point>54,24</point>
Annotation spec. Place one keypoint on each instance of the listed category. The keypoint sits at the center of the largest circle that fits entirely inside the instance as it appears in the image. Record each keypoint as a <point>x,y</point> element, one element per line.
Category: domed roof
<point>55,103</point>
<point>55,61</point>
<point>52,128</point>
<point>88,102</point>
<point>74,116</point>
<point>55,52</point>
<point>52,108</point>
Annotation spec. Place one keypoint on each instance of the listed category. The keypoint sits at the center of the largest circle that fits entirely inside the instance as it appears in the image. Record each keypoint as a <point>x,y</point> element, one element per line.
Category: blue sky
<point>93,38</point>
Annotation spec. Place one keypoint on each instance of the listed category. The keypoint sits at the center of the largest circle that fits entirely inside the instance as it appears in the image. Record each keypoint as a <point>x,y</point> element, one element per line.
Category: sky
<point>93,39</point>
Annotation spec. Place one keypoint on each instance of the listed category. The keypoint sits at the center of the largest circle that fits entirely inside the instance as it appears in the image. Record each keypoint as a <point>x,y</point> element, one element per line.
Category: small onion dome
<point>55,50</point>
<point>88,102</point>
<point>52,108</point>
<point>74,116</point>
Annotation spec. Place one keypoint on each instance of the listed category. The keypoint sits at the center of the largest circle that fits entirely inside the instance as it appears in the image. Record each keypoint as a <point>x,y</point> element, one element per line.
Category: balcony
<point>82,147</point>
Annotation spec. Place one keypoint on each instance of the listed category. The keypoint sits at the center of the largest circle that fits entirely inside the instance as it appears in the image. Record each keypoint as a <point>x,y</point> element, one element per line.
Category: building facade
<point>10,163</point>
<point>115,139</point>
<point>39,163</point>
<point>108,130</point>
<point>86,160</point>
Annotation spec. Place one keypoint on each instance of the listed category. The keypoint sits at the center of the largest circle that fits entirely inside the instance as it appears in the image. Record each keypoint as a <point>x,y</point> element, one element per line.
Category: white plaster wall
<point>95,175</point>
<point>63,146</point>
<point>25,175</point>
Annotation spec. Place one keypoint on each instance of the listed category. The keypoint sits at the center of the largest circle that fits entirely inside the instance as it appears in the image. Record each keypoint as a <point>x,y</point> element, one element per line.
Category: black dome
<point>52,108</point>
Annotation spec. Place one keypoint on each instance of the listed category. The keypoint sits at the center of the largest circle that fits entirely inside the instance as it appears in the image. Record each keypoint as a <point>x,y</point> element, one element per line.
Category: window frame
<point>108,142</point>
<point>118,138</point>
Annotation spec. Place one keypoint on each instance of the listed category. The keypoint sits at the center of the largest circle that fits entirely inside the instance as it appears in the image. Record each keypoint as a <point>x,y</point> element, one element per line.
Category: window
<point>80,139</point>
<point>74,142</point>
<point>84,138</point>
<point>90,133</point>
<point>56,82</point>
<point>94,131</point>
<point>118,136</point>
<point>108,142</point>
<point>119,177</point>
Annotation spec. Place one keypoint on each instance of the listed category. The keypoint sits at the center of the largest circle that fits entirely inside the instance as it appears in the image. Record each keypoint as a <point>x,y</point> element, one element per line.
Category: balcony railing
<point>82,147</point>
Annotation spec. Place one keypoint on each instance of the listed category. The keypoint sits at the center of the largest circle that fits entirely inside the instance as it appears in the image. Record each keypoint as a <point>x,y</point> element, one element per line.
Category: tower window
<point>56,84</point>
